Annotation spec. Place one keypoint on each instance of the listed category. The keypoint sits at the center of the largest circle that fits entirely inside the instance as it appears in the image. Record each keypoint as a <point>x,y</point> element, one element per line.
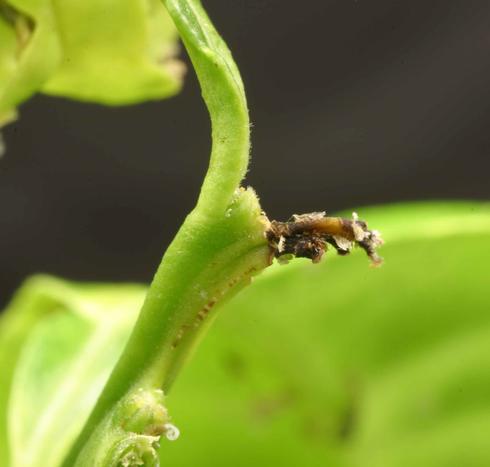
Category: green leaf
<point>58,344</point>
<point>30,53</point>
<point>107,51</point>
<point>338,364</point>
<point>115,52</point>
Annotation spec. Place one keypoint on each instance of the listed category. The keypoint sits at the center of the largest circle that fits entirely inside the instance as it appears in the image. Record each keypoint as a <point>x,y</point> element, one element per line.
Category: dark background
<point>353,103</point>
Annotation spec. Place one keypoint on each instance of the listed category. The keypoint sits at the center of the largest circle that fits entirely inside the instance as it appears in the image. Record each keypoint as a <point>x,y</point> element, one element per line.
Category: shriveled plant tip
<point>308,236</point>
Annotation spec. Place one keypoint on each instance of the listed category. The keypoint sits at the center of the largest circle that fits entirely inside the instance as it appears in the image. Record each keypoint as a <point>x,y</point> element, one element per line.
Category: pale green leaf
<point>106,51</point>
<point>115,51</point>
<point>58,344</point>
<point>339,364</point>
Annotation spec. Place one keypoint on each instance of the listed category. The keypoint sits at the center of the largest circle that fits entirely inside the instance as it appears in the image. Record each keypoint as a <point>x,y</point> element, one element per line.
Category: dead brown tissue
<point>308,236</point>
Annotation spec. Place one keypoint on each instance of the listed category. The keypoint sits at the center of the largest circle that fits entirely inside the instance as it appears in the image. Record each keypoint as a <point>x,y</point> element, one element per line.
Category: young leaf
<point>29,52</point>
<point>106,51</point>
<point>115,52</point>
<point>58,344</point>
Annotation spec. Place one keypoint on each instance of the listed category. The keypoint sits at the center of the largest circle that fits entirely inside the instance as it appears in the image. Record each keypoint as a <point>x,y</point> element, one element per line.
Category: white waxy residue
<point>171,431</point>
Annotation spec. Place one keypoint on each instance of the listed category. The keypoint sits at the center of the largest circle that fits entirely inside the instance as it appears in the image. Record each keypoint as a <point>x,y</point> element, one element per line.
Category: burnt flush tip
<point>308,236</point>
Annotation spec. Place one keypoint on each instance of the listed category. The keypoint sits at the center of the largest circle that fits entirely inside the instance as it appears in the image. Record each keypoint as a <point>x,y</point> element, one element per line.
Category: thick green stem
<point>220,246</point>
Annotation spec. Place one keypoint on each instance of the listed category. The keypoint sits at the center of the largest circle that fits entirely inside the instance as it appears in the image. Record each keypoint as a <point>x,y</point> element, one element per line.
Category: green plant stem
<point>220,246</point>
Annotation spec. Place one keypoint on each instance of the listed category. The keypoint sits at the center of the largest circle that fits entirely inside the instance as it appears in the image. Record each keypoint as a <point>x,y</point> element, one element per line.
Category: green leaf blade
<point>386,367</point>
<point>116,52</point>
<point>59,342</point>
<point>109,52</point>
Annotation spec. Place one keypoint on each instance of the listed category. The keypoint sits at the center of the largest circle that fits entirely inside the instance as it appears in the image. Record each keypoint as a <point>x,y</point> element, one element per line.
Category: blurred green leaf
<point>330,364</point>
<point>30,51</point>
<point>339,364</point>
<point>115,51</point>
<point>107,51</point>
<point>58,344</point>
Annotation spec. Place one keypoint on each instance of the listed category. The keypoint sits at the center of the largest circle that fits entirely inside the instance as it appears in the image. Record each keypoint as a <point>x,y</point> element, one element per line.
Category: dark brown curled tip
<point>308,235</point>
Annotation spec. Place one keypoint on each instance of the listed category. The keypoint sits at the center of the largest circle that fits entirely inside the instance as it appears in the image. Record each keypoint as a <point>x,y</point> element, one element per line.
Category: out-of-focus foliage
<point>107,51</point>
<point>343,365</point>
<point>58,344</point>
<point>330,364</point>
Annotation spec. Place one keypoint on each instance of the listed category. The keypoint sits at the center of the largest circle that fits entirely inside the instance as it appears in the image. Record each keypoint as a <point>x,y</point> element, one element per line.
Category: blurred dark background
<point>353,103</point>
